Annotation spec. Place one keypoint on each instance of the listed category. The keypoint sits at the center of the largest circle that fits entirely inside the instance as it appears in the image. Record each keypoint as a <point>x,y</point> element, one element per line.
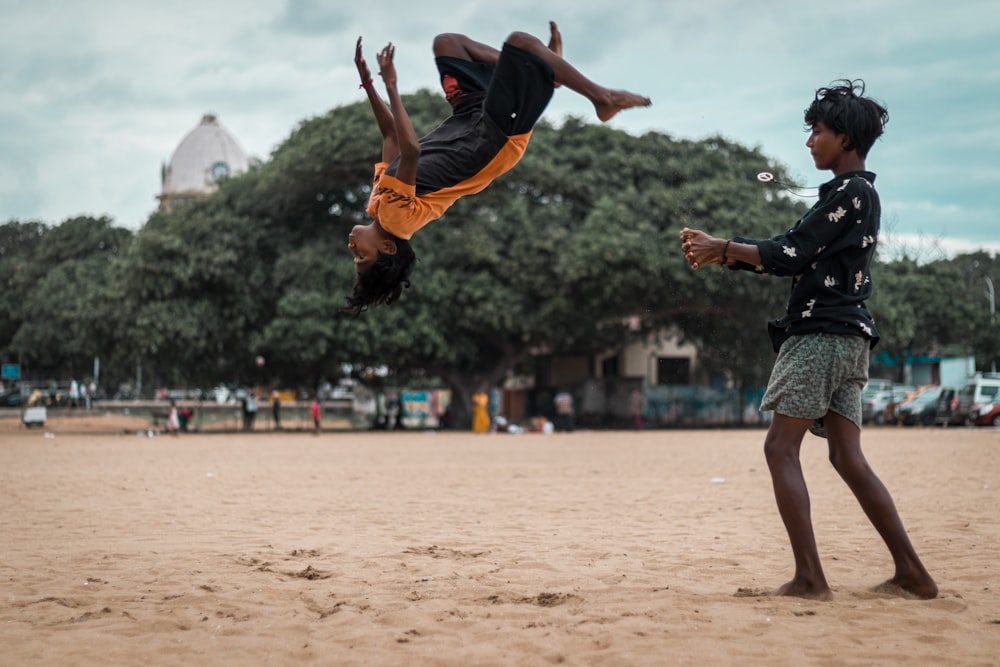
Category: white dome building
<point>208,153</point>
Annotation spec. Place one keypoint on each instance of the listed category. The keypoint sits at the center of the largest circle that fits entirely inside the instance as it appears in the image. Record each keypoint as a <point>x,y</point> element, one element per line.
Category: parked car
<point>988,415</point>
<point>11,400</point>
<point>947,413</point>
<point>880,406</point>
<point>873,387</point>
<point>921,409</point>
<point>980,402</point>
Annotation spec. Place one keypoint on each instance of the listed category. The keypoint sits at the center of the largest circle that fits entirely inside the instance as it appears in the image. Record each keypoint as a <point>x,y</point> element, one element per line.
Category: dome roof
<point>205,155</point>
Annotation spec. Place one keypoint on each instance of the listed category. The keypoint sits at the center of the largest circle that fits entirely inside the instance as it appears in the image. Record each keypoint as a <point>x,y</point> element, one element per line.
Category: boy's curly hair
<point>843,108</point>
<point>383,281</point>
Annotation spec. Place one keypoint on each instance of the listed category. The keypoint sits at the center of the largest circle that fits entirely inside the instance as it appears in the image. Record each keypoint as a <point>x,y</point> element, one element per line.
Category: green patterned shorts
<point>816,373</point>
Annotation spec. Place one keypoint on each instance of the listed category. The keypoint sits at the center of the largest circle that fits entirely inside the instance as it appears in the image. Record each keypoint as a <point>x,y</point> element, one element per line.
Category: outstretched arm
<point>383,116</point>
<point>455,45</point>
<point>409,146</point>
<point>700,249</point>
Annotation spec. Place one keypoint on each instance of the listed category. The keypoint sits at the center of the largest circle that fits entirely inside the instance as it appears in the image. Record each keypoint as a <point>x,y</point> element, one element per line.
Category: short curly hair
<point>384,280</point>
<point>843,108</point>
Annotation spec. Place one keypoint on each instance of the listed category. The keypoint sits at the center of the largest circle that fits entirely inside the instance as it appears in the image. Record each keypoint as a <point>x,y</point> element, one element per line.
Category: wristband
<point>725,249</point>
<point>366,84</point>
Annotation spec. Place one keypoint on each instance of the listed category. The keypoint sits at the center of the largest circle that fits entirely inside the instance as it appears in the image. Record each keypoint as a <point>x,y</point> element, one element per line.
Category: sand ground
<point>592,548</point>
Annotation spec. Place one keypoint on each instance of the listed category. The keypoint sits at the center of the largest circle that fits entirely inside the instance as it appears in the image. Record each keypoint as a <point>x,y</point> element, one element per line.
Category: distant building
<point>206,155</point>
<point>665,370</point>
<point>928,369</point>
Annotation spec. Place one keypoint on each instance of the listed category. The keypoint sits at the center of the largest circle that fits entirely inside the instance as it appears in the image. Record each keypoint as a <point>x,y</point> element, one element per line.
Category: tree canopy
<point>59,310</point>
<point>574,250</point>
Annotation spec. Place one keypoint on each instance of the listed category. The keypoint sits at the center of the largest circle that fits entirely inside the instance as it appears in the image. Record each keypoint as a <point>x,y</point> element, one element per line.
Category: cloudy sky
<point>95,96</point>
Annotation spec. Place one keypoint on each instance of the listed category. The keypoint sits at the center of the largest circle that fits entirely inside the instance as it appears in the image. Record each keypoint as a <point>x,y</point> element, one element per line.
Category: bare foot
<point>799,589</point>
<point>555,39</point>
<point>618,100</point>
<point>555,45</point>
<point>923,588</point>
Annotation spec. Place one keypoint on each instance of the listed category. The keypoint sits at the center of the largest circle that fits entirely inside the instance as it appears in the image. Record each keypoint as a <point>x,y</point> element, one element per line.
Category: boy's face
<point>826,147</point>
<point>365,242</point>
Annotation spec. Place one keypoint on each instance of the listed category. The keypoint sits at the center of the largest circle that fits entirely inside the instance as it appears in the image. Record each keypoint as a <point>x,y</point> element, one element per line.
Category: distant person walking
<point>74,394</point>
<point>564,411</point>
<point>480,412</point>
<point>636,406</point>
<point>173,420</point>
<point>276,409</point>
<point>315,412</point>
<point>251,411</point>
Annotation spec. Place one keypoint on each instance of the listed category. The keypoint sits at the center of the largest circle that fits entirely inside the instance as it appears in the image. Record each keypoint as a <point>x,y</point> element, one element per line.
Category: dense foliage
<point>575,251</point>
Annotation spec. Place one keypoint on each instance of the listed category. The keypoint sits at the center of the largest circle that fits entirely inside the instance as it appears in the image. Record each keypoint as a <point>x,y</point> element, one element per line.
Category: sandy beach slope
<point>592,548</point>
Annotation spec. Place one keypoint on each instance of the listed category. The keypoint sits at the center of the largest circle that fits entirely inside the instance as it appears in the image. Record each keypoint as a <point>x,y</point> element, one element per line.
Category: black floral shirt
<point>829,254</point>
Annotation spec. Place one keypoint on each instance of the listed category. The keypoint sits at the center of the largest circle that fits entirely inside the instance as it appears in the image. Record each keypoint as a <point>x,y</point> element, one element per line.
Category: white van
<point>978,393</point>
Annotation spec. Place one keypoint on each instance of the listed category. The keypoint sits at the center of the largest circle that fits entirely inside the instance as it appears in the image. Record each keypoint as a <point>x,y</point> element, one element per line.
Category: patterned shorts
<point>816,373</point>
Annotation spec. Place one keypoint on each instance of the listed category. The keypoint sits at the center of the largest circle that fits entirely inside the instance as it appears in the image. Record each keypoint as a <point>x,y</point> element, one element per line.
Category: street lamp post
<point>991,296</point>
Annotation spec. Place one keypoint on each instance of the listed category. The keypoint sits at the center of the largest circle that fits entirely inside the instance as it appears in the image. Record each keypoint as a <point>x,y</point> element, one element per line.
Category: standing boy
<point>823,341</point>
<point>496,98</point>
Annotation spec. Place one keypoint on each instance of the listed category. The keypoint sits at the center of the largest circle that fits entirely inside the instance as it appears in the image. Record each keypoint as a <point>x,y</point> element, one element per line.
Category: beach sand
<point>414,548</point>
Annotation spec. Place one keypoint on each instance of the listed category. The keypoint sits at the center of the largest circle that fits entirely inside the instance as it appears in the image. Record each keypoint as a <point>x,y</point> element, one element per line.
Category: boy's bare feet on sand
<point>618,100</point>
<point>800,589</point>
<point>925,589</point>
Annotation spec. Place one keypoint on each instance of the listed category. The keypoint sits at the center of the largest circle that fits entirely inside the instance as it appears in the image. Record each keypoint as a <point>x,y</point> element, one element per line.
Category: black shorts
<point>514,92</point>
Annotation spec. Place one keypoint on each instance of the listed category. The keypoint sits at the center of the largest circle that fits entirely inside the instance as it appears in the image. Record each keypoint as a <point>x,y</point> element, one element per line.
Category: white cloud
<point>924,248</point>
<point>94,96</point>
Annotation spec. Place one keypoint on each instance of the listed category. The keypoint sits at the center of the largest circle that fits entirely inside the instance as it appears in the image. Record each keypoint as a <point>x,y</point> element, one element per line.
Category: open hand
<point>387,70</point>
<point>362,65</point>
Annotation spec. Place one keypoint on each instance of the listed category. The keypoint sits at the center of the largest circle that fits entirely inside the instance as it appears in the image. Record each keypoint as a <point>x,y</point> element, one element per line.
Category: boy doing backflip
<point>823,341</point>
<point>496,99</point>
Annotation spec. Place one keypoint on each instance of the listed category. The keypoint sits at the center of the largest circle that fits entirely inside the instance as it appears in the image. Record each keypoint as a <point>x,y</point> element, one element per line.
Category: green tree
<point>560,254</point>
<point>979,271</point>
<point>722,312</point>
<point>60,302</point>
<point>557,254</point>
<point>573,251</point>
<point>19,242</point>
<point>565,253</point>
<point>934,308</point>
<point>196,286</point>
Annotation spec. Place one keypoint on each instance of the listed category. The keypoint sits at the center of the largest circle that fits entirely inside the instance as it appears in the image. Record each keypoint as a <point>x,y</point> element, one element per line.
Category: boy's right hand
<point>362,65</point>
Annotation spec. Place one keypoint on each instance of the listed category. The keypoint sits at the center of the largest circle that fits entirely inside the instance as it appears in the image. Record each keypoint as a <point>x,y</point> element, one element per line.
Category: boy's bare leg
<point>456,45</point>
<point>845,454</point>
<point>781,448</point>
<point>607,102</point>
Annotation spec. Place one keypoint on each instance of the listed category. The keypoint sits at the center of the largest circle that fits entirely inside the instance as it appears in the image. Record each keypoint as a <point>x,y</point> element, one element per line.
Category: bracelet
<point>725,249</point>
<point>366,84</point>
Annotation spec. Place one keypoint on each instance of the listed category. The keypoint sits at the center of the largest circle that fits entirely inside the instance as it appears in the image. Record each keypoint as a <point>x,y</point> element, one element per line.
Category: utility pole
<point>991,296</point>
